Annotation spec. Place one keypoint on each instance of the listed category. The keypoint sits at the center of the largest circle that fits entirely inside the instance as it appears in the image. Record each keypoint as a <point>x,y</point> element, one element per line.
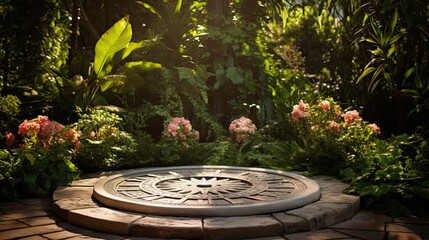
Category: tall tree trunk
<point>217,12</point>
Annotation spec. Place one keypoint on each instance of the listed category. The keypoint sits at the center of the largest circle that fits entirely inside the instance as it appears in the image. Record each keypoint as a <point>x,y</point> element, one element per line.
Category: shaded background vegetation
<point>213,61</point>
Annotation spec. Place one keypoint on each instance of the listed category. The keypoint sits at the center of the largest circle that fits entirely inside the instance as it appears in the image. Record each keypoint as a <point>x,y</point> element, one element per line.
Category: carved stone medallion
<point>206,191</point>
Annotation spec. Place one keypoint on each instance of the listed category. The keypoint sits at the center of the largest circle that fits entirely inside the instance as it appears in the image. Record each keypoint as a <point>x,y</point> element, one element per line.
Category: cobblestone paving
<point>332,217</point>
<point>33,219</point>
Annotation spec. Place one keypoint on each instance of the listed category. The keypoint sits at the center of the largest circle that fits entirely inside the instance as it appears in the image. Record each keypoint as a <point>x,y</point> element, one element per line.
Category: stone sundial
<point>206,191</point>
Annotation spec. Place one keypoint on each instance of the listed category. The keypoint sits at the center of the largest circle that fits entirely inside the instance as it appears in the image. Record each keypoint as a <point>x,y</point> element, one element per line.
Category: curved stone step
<point>76,205</point>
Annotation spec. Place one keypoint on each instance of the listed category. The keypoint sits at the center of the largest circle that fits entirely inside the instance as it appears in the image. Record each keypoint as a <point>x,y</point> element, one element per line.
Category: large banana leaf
<point>115,39</point>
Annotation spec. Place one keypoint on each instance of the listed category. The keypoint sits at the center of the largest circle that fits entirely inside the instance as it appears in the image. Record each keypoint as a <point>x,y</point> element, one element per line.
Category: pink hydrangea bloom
<point>241,128</point>
<point>71,135</point>
<point>325,104</point>
<point>351,116</point>
<point>375,129</point>
<point>181,129</point>
<point>300,111</point>
<point>47,127</point>
<point>28,128</point>
<point>10,138</point>
<point>333,126</point>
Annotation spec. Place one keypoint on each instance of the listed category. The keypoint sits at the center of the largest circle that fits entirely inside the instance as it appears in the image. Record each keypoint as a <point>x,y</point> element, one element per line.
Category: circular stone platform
<point>206,191</point>
<point>77,205</point>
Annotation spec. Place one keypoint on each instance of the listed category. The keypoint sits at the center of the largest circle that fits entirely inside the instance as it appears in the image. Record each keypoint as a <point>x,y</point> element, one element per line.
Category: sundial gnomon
<point>206,191</point>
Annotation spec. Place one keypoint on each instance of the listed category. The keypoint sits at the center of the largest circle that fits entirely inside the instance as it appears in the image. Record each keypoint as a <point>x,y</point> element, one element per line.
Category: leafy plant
<point>389,174</point>
<point>9,178</point>
<point>9,111</point>
<point>43,162</point>
<point>327,135</point>
<point>113,47</point>
<point>103,145</point>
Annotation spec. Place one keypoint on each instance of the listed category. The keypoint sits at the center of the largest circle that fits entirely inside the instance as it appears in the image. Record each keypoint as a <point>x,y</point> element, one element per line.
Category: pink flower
<point>326,105</point>
<point>333,126</point>
<point>28,128</point>
<point>180,129</point>
<point>351,116</point>
<point>47,127</point>
<point>10,138</point>
<point>241,128</point>
<point>297,115</point>
<point>375,129</point>
<point>300,111</point>
<point>71,135</point>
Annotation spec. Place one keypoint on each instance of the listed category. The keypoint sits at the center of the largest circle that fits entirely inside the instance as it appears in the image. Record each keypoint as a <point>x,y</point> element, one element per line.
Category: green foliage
<point>44,169</point>
<point>234,61</point>
<point>103,145</point>
<point>396,46</point>
<point>98,119</point>
<point>9,110</point>
<point>114,151</point>
<point>31,40</point>
<point>173,153</point>
<point>390,174</point>
<point>287,88</point>
<point>44,159</point>
<point>258,150</point>
<point>181,91</point>
<point>113,47</point>
<point>9,166</point>
<point>326,136</point>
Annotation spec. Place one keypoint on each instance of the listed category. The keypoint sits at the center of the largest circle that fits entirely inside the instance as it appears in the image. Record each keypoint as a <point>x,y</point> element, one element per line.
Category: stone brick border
<point>75,204</point>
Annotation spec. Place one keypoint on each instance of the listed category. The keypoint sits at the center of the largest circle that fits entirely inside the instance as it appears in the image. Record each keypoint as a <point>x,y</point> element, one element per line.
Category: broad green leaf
<point>392,50</point>
<point>409,72</point>
<point>112,41</point>
<point>395,38</point>
<point>111,81</point>
<point>387,76</point>
<point>371,40</point>
<point>233,74</point>
<point>365,73</point>
<point>410,93</point>
<point>418,82</point>
<point>365,18</point>
<point>373,86</point>
<point>377,52</point>
<point>375,80</point>
<point>132,46</point>
<point>178,6</point>
<point>149,7</point>
<point>112,108</point>
<point>30,158</point>
<point>142,66</point>
<point>394,19</point>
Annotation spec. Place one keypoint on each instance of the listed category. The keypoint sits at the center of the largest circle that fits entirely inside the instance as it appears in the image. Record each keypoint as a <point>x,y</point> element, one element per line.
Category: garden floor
<point>334,216</point>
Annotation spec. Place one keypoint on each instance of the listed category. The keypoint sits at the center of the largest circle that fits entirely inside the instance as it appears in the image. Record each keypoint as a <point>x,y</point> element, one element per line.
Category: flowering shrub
<point>180,129</point>
<point>328,116</point>
<point>43,133</point>
<point>328,135</point>
<point>43,160</point>
<point>241,128</point>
